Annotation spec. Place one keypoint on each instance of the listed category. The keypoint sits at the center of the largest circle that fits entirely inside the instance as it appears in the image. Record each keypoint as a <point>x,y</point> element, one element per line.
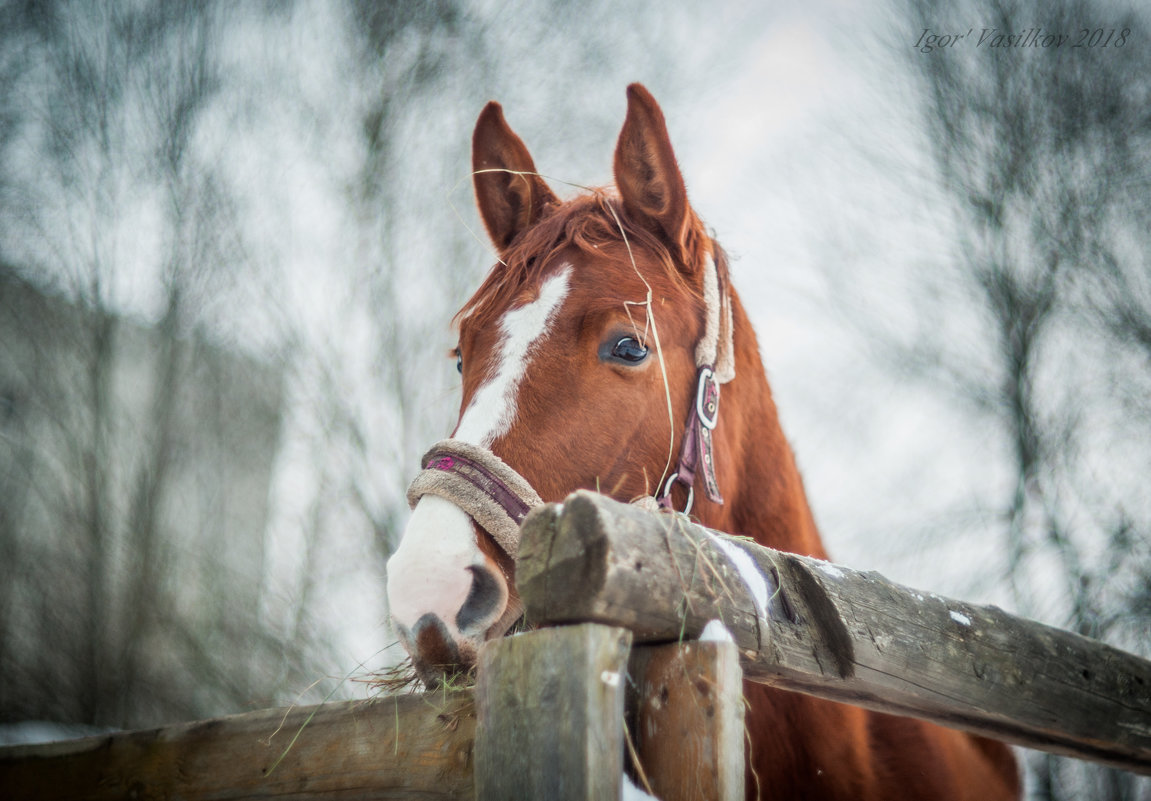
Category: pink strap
<point>697,451</point>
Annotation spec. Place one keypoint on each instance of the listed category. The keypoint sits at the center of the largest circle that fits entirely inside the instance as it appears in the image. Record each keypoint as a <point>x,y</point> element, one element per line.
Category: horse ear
<point>509,193</point>
<point>649,180</point>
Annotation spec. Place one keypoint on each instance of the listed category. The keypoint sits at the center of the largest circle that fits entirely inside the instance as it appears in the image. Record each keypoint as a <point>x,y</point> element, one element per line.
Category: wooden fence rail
<point>546,720</point>
<point>547,716</point>
<point>831,631</point>
<point>415,746</point>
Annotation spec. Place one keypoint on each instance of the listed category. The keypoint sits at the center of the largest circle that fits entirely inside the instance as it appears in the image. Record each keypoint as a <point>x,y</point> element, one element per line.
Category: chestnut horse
<point>585,356</point>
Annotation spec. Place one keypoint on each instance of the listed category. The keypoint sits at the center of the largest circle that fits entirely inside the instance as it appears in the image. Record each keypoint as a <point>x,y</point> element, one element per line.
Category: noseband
<point>498,498</point>
<point>481,484</point>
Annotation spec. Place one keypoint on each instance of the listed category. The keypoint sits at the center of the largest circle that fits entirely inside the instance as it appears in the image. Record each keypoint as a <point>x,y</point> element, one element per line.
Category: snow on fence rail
<point>548,708</point>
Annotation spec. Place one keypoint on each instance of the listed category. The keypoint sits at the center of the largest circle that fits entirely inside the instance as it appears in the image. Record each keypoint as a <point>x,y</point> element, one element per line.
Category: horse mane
<point>592,223</point>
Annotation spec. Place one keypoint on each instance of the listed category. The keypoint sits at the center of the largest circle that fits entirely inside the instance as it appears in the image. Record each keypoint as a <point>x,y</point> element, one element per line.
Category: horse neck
<point>763,491</point>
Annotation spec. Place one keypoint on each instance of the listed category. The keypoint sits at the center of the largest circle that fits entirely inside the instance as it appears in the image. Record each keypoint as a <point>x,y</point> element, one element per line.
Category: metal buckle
<point>667,493</point>
<point>706,377</point>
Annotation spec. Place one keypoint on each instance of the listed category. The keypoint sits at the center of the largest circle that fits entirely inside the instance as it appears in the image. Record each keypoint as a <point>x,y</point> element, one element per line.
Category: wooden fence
<point>402,747</point>
<point>546,718</point>
<point>838,633</point>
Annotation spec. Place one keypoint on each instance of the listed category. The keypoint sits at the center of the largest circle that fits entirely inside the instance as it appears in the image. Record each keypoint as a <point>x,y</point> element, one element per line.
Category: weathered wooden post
<point>685,715</point>
<point>549,715</point>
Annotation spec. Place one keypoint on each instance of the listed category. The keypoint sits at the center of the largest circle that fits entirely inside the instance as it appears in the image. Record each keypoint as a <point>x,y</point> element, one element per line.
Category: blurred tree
<point>135,458</point>
<point>1037,321</point>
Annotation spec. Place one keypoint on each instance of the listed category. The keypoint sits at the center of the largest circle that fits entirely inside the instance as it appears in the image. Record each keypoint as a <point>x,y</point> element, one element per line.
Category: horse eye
<point>629,349</point>
<point>459,362</point>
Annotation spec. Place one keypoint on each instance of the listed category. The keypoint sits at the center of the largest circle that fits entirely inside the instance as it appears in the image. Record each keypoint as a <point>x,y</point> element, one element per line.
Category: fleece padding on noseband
<point>715,348</point>
<point>715,358</point>
<point>476,480</point>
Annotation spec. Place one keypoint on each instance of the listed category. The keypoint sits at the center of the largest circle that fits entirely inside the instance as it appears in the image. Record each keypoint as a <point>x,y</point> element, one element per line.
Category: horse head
<point>580,357</point>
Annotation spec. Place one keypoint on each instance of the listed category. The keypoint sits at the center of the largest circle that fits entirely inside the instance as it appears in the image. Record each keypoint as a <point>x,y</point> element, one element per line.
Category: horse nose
<point>444,591</point>
<point>485,601</point>
<point>434,643</point>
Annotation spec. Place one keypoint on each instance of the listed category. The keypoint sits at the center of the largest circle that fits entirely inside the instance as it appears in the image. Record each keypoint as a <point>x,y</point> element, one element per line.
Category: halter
<point>498,498</point>
<point>697,450</point>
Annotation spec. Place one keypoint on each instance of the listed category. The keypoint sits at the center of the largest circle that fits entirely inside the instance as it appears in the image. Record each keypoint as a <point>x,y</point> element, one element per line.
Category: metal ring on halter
<point>706,376</point>
<point>667,492</point>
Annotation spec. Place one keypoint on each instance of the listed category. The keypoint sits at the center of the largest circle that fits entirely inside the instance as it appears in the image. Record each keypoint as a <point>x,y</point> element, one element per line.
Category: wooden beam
<point>685,713</point>
<point>414,746</point>
<point>838,633</point>
<point>549,708</point>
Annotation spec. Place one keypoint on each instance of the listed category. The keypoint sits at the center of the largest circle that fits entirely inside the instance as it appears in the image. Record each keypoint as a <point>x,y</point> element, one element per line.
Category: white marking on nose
<point>493,409</point>
<point>429,571</point>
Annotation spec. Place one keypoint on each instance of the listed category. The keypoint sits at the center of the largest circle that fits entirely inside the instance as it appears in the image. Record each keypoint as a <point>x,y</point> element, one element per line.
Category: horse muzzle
<point>446,592</point>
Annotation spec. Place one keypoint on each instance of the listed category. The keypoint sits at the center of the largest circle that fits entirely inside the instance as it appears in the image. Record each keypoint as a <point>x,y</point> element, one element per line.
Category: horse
<point>591,356</point>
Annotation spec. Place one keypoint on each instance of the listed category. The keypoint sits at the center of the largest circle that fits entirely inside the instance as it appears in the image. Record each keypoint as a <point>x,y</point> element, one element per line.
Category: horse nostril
<point>433,643</point>
<point>484,602</point>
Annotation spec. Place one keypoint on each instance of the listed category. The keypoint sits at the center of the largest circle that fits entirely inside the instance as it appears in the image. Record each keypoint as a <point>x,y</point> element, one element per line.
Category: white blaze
<point>493,409</point>
<point>429,571</point>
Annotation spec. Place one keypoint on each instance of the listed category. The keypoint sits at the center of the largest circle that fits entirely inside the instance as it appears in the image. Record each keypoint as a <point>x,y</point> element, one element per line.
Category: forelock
<point>595,225</point>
